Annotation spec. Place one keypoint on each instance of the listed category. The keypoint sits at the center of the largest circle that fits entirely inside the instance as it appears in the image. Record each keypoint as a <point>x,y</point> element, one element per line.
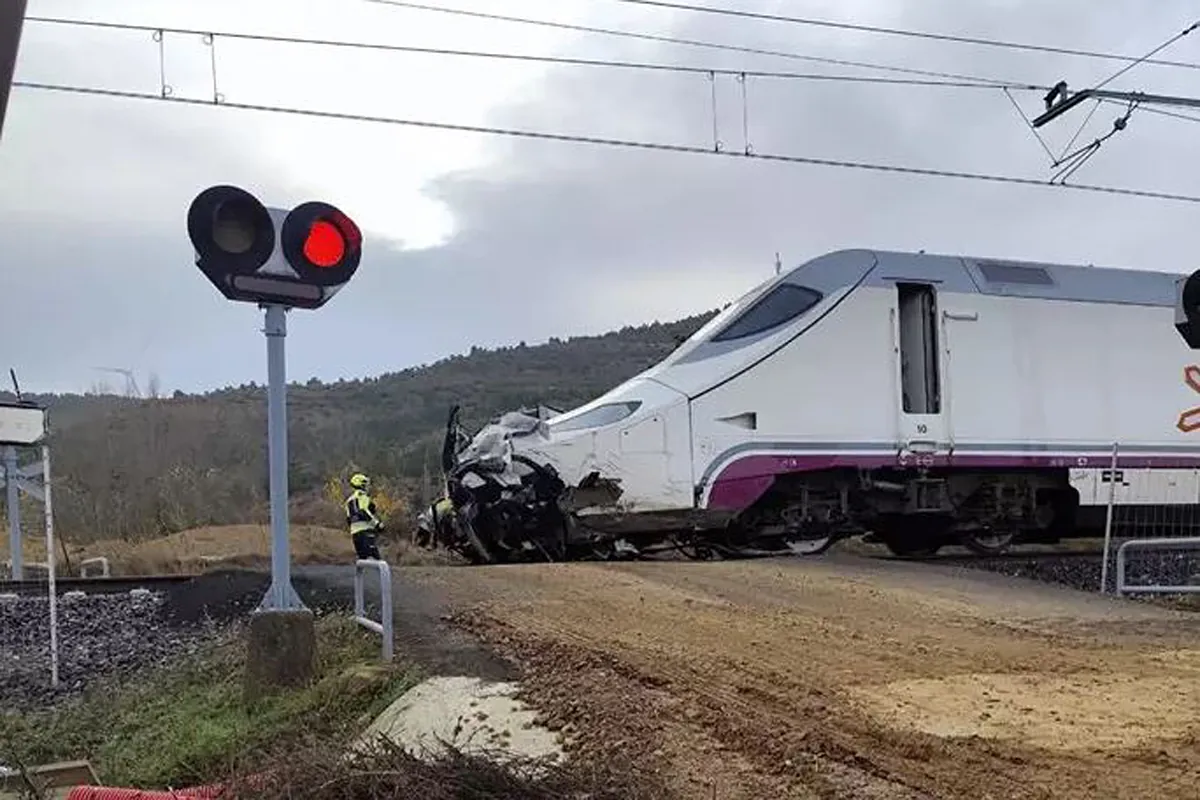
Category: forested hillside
<point>132,468</point>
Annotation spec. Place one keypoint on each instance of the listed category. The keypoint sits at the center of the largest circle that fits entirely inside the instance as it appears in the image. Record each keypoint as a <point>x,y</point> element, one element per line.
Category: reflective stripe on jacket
<point>360,512</point>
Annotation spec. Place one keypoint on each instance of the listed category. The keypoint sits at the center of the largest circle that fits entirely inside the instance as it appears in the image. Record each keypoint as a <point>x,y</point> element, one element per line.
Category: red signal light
<point>321,244</point>
<point>324,245</point>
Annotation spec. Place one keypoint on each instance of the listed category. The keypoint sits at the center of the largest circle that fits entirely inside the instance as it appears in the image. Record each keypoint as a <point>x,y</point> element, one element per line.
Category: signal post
<point>278,259</point>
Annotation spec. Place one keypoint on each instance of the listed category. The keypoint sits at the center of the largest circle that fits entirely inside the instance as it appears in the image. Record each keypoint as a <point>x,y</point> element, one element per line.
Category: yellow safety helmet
<point>359,481</point>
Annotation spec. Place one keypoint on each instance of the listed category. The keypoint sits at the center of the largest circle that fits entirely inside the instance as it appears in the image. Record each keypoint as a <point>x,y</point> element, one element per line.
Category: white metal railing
<point>1178,543</point>
<point>384,627</point>
<point>40,567</point>
<point>99,561</point>
<point>85,568</point>
<point>1151,510</point>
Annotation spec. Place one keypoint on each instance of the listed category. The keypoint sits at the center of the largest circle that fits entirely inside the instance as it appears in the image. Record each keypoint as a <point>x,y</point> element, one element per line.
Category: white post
<point>1108,519</point>
<point>13,500</point>
<point>282,595</point>
<point>50,566</point>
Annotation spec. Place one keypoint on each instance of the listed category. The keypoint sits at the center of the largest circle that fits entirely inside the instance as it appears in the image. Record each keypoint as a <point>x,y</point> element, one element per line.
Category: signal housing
<point>253,253</point>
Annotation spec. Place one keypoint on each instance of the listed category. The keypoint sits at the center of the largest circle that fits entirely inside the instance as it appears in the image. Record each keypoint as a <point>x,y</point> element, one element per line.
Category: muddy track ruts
<point>779,672</point>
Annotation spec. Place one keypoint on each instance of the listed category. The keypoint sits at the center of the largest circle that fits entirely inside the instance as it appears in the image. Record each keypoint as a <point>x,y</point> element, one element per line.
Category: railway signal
<point>1187,309</point>
<point>278,259</point>
<point>298,258</point>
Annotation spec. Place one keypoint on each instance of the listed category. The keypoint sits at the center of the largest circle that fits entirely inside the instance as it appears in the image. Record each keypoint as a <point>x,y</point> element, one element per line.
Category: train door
<point>923,427</point>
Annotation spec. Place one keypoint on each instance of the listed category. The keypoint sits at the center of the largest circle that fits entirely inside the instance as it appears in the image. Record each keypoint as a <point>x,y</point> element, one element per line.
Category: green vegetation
<point>186,724</point>
<point>136,469</point>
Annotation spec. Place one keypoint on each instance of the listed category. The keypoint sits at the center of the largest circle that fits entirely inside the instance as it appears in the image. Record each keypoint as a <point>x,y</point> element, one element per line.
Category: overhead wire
<point>954,80</point>
<point>1029,125</point>
<point>928,35</point>
<point>1146,58</point>
<point>724,46</point>
<point>559,60</point>
<point>617,142</point>
<point>1072,160</point>
<point>1160,111</point>
<point>679,40</point>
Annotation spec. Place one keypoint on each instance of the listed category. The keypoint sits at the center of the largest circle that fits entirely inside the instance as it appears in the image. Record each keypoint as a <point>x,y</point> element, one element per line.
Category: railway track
<point>961,558</point>
<point>110,585</point>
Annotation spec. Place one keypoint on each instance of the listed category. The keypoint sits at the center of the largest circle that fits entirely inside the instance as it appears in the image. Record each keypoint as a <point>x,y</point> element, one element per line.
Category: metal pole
<point>1056,110</point>
<point>13,500</point>
<point>12,19</point>
<point>281,594</point>
<point>1108,519</point>
<point>50,565</point>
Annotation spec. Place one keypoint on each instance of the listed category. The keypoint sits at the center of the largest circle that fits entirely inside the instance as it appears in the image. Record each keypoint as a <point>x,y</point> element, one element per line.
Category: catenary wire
<point>616,142</point>
<point>941,37</point>
<point>561,60</point>
<point>1146,58</point>
<point>1077,158</point>
<point>1152,110</point>
<point>725,46</point>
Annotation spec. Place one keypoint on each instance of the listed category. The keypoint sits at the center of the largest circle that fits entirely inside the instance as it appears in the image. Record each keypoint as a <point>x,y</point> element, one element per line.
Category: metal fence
<point>384,626</point>
<point>98,567</point>
<point>1151,525</point>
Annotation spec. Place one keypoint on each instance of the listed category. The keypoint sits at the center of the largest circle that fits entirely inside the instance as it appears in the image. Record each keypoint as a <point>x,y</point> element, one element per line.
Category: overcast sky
<point>489,240</point>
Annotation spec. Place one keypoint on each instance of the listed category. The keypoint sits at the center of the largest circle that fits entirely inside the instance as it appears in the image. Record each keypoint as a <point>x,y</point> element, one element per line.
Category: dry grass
<point>200,549</point>
<point>384,770</point>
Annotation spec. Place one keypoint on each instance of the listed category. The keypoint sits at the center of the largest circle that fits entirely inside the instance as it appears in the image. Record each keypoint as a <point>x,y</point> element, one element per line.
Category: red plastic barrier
<point>113,793</point>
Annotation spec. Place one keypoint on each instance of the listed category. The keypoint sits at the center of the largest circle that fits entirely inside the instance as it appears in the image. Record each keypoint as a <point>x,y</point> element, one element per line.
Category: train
<point>914,400</point>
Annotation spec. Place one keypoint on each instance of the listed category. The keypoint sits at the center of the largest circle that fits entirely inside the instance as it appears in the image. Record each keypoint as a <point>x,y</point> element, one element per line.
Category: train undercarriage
<point>505,507</point>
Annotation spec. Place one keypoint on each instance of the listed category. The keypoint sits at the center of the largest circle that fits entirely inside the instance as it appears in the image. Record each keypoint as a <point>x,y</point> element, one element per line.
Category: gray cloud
<point>554,238</point>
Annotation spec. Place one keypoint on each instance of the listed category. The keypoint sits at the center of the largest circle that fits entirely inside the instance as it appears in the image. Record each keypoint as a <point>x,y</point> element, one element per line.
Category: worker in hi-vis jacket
<point>361,517</point>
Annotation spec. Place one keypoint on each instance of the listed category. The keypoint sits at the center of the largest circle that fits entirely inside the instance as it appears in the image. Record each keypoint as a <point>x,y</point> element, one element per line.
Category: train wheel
<point>986,542</point>
<point>810,545</point>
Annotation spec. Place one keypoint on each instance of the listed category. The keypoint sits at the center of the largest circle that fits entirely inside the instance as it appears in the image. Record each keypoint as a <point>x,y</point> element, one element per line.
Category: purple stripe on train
<point>743,481</point>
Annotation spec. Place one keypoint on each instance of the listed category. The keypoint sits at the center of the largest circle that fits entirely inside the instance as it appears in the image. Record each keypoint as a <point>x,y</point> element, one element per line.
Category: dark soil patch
<point>232,594</point>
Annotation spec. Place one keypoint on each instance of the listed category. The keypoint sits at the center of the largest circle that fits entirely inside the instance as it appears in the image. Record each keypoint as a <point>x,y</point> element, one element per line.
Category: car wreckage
<point>503,505</point>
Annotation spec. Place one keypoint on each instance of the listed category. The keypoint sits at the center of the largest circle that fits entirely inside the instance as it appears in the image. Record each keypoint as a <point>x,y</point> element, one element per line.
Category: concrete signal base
<point>281,651</point>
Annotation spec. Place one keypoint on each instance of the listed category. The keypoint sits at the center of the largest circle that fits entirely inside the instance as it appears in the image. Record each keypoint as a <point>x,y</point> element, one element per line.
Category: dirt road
<point>843,677</point>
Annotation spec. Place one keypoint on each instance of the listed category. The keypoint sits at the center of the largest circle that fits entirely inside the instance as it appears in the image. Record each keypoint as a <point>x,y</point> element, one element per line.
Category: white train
<point>920,399</point>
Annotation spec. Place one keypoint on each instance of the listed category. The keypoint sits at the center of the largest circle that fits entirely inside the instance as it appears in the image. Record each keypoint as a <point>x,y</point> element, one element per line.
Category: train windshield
<point>782,304</point>
<point>704,333</point>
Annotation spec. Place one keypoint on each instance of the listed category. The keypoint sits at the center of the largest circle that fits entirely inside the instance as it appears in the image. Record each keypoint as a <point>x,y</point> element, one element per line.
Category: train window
<point>999,272</point>
<point>606,414</point>
<point>782,304</point>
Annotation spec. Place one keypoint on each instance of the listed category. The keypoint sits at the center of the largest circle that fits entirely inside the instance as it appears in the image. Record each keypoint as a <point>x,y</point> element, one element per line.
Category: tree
<point>138,468</point>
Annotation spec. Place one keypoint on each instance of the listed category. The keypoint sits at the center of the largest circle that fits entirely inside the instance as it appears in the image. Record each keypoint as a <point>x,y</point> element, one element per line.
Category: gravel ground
<point>97,635</point>
<point>1082,572</point>
<point>107,636</point>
